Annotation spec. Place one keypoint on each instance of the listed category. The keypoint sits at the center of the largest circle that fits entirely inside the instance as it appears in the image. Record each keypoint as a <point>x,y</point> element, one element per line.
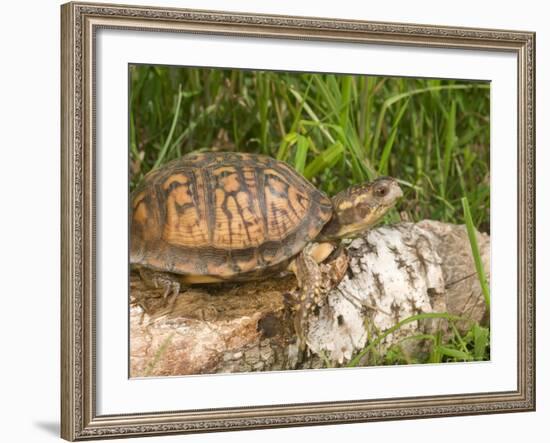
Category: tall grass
<point>432,135</point>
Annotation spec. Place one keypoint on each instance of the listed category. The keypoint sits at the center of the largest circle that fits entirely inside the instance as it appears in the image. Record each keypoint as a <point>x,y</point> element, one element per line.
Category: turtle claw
<point>169,283</point>
<point>170,294</point>
<point>170,288</point>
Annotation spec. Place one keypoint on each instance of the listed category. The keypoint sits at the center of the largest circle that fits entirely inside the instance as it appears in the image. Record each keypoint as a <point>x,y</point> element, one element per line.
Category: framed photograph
<point>282,221</point>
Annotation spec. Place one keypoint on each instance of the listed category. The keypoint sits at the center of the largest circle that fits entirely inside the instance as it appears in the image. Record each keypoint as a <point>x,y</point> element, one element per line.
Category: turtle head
<point>359,207</point>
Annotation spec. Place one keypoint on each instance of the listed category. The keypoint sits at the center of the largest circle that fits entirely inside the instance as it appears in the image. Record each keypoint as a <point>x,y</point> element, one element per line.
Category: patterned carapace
<point>226,215</point>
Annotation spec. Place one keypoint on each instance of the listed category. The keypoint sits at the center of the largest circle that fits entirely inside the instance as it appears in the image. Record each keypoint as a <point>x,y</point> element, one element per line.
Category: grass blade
<point>166,145</point>
<point>383,166</point>
<point>312,114</point>
<point>390,101</point>
<point>286,143</point>
<point>302,146</point>
<point>454,353</point>
<point>431,315</point>
<point>450,143</point>
<point>325,160</point>
<point>481,341</point>
<point>475,252</point>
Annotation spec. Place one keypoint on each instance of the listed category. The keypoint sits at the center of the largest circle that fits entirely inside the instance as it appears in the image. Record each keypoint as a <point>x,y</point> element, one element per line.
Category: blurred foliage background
<point>432,135</point>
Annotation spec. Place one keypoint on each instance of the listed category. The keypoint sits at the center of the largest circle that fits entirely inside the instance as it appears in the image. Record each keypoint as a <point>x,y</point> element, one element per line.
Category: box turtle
<point>225,216</point>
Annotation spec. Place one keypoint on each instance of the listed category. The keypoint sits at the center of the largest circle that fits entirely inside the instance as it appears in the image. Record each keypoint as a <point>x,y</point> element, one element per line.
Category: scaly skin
<point>311,294</point>
<point>316,280</point>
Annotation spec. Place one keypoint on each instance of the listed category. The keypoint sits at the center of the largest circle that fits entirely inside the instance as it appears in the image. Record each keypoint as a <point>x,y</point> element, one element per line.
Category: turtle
<point>211,217</point>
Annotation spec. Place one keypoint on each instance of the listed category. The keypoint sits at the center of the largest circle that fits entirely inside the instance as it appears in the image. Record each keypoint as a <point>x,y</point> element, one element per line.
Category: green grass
<point>475,252</point>
<point>433,135</point>
<point>471,345</point>
<point>337,130</point>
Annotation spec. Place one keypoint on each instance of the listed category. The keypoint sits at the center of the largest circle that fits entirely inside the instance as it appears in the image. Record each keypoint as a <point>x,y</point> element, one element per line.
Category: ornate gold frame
<point>79,420</point>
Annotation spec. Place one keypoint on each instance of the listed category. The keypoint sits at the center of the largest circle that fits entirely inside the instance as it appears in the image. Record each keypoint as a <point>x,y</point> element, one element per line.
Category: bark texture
<point>394,272</point>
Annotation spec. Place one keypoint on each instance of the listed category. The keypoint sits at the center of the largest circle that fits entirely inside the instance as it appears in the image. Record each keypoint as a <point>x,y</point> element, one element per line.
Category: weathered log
<point>394,272</point>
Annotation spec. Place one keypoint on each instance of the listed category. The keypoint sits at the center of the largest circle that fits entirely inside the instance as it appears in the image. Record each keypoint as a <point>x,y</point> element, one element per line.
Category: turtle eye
<point>381,191</point>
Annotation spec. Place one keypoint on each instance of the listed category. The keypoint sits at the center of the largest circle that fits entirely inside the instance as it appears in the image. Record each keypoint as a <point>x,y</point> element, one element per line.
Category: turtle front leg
<point>315,280</point>
<point>310,296</point>
<point>335,268</point>
<point>169,283</point>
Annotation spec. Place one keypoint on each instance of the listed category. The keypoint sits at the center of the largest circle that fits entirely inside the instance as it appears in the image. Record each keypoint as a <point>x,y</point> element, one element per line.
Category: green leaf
<point>301,153</point>
<point>481,341</point>
<point>326,159</point>
<point>454,353</point>
<point>285,145</point>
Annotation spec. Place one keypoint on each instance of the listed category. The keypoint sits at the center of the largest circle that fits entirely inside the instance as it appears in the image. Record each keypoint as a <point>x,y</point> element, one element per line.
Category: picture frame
<point>81,22</point>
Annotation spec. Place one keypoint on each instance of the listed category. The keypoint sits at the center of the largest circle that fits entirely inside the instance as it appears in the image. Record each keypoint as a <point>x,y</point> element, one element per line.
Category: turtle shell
<point>230,216</point>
